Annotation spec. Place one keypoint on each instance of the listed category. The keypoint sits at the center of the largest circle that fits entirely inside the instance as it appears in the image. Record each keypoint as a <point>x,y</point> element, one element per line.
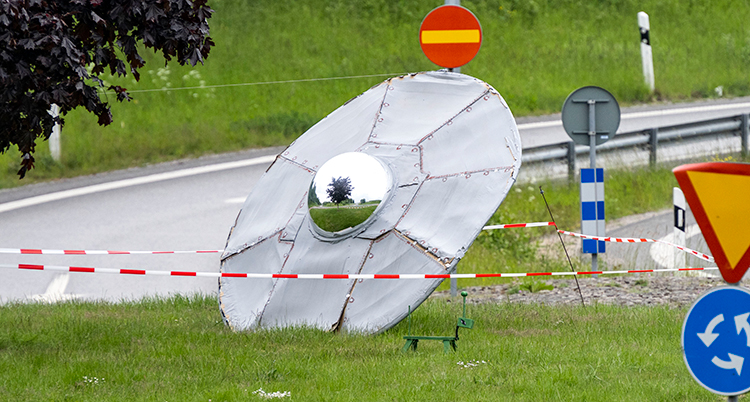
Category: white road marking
<point>97,188</point>
<point>236,200</point>
<point>56,291</point>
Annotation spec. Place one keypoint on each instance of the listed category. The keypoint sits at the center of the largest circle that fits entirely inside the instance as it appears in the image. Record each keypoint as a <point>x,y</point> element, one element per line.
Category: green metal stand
<point>449,342</point>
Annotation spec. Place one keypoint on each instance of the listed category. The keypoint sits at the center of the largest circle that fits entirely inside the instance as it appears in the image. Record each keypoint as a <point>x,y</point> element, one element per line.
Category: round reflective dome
<point>346,191</point>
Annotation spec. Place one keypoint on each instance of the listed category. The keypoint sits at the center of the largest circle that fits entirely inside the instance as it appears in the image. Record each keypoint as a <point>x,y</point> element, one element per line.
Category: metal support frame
<point>654,145</point>
<point>454,281</point>
<point>449,342</point>
<point>592,163</point>
<point>571,162</point>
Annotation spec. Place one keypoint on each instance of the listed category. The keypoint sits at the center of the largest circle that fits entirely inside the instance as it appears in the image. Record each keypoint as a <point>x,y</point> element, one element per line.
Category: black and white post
<point>646,57</point>
<point>678,198</point>
<point>54,138</point>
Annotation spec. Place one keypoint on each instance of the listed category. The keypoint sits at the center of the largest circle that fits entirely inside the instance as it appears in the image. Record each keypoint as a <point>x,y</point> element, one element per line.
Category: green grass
<point>178,350</point>
<point>534,52</point>
<point>334,219</point>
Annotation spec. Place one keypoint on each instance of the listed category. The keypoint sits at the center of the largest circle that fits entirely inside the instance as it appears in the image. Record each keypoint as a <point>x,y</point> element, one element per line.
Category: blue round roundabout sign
<point>716,340</point>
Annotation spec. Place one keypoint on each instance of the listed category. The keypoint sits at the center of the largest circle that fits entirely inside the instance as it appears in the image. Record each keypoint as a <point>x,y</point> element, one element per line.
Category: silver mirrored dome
<point>345,193</point>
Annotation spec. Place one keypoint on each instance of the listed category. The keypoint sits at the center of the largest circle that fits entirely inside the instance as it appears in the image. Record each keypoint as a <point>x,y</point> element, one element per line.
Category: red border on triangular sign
<point>729,273</point>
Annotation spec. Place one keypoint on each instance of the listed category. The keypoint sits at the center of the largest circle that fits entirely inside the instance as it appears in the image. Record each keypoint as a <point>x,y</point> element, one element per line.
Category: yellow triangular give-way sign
<point>719,196</point>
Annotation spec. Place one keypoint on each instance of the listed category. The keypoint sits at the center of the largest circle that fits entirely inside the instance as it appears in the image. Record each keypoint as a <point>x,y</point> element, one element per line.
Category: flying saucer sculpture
<point>399,180</point>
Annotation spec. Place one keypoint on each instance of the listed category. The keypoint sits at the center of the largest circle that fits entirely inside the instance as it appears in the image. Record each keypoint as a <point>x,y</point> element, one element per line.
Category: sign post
<point>450,36</point>
<point>591,116</point>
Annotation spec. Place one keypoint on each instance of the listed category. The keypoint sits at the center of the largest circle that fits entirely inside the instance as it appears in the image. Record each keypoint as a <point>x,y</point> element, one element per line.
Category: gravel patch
<point>633,290</point>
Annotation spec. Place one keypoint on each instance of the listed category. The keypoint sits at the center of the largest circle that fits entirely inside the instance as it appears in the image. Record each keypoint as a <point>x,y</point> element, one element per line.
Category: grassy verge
<point>178,350</point>
<point>534,52</point>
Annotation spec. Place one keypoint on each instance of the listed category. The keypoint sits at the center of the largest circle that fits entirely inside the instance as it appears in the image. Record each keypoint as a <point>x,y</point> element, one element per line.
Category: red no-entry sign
<point>450,36</point>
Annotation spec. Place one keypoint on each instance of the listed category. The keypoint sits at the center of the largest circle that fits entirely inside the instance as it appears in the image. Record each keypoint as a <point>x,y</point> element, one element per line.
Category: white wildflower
<point>92,380</point>
<point>271,395</point>
<point>471,363</point>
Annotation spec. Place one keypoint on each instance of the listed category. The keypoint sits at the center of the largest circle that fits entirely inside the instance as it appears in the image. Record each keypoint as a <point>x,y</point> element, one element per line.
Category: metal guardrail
<point>650,138</point>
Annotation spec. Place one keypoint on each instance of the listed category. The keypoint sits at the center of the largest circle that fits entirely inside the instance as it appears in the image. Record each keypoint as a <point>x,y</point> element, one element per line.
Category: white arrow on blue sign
<point>716,340</point>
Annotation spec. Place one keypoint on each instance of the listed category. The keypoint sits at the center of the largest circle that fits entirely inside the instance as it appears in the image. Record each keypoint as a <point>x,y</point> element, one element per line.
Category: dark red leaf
<point>46,45</point>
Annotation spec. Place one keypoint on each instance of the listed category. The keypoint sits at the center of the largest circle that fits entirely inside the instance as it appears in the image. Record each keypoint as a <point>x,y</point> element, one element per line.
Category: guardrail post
<point>571,161</point>
<point>744,134</point>
<point>654,144</point>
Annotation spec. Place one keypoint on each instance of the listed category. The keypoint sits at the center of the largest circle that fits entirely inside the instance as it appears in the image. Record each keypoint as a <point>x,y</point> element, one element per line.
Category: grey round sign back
<point>575,114</point>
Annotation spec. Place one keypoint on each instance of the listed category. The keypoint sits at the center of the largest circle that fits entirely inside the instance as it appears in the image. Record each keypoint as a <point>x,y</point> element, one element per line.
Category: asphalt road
<point>193,212</point>
<point>186,205</point>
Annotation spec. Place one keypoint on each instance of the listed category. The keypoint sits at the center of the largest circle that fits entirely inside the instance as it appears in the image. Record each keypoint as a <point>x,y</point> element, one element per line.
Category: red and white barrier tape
<point>698,254</point>
<point>111,252</point>
<point>130,271</point>
<point>519,225</point>
<point>97,252</point>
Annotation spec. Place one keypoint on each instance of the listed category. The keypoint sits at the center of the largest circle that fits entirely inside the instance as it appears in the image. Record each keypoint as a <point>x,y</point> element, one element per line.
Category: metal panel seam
<point>340,322</point>
<point>251,245</point>
<point>450,121</point>
<point>380,109</point>
<point>270,293</point>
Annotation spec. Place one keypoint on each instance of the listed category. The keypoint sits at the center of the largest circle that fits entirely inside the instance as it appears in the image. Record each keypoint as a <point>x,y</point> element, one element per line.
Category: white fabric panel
<point>260,218</point>
<point>404,161</point>
<point>344,130</point>
<point>298,220</point>
<point>416,105</point>
<point>478,138</point>
<point>391,212</point>
<point>380,304</point>
<point>311,302</point>
<point>240,311</point>
<point>448,212</point>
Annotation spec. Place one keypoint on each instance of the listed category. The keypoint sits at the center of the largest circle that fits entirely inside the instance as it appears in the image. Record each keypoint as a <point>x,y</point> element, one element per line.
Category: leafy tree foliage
<point>312,199</point>
<point>52,52</point>
<point>339,189</point>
